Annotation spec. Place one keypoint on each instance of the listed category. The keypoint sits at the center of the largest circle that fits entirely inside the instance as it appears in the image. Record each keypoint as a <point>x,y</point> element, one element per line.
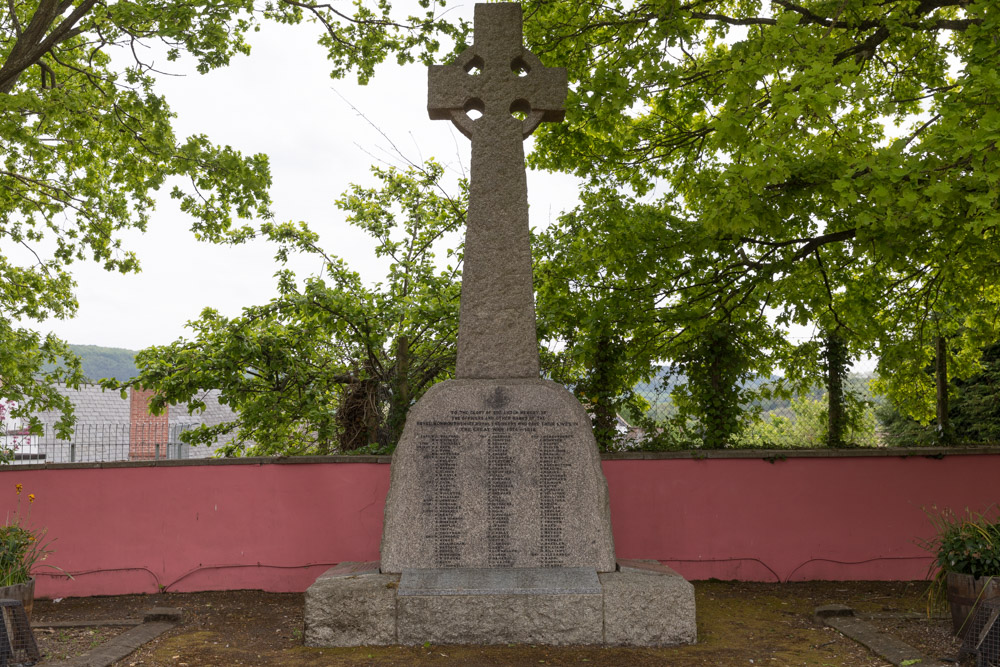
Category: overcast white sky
<point>280,101</point>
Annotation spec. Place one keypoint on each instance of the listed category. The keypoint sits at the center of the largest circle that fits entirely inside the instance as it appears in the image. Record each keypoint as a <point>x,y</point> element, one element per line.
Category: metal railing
<point>103,442</point>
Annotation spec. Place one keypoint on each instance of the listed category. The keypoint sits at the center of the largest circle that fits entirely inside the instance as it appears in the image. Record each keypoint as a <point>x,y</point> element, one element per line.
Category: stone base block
<point>352,604</point>
<point>647,604</point>
<point>553,606</point>
<point>643,603</point>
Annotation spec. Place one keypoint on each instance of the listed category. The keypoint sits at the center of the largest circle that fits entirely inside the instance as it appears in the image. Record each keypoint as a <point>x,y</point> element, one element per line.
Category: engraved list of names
<point>441,498</point>
<point>516,448</point>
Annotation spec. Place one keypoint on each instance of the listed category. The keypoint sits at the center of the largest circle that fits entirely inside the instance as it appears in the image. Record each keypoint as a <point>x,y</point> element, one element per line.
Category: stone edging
<point>772,455</point>
<point>155,622</point>
<point>769,455</point>
<point>844,619</point>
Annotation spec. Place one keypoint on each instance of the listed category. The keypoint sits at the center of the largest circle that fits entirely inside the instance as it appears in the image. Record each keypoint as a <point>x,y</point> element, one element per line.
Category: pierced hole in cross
<point>474,108</point>
<point>519,67</point>
<point>475,66</point>
<point>520,109</point>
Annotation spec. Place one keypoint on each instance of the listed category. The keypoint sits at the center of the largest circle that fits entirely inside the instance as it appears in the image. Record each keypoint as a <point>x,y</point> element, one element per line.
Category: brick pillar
<point>146,431</point>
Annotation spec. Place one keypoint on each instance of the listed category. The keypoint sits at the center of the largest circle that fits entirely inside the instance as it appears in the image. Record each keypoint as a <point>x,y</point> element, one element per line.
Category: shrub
<point>21,548</point>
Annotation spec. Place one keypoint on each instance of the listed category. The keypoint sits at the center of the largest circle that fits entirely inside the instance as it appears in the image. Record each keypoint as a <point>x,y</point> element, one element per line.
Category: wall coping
<point>769,455</point>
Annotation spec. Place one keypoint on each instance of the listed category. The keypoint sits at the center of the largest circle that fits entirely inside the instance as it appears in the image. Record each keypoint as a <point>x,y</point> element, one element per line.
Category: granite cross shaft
<point>499,78</point>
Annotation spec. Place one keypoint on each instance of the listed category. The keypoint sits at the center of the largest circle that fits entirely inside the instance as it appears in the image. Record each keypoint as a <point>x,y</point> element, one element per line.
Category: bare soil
<point>738,624</point>
<point>64,643</point>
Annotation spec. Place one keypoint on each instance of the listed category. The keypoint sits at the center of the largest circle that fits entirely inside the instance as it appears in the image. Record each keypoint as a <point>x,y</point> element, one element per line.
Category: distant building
<point>15,436</point>
<point>110,428</point>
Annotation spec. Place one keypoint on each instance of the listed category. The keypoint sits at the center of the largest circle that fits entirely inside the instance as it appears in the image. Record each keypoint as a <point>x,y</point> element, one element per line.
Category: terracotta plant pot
<point>964,595</point>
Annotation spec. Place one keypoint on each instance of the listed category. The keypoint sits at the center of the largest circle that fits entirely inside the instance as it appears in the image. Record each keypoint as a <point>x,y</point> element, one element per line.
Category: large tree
<point>833,160</point>
<point>331,363</point>
<point>85,141</point>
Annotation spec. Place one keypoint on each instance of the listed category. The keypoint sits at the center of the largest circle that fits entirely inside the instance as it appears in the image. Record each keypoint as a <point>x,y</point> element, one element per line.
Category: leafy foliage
<point>835,162</point>
<point>968,544</point>
<point>85,141</point>
<point>22,548</point>
<point>808,426</point>
<point>597,343</point>
<point>330,364</point>
<point>974,409</point>
<point>716,368</point>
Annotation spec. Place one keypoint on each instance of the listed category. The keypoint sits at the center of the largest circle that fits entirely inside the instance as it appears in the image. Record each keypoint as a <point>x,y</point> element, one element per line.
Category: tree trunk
<point>835,366</point>
<point>399,402</point>
<point>604,410</point>
<point>941,380</point>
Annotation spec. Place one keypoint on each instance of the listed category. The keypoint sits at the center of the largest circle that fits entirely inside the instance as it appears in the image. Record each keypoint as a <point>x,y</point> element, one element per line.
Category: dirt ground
<point>738,624</point>
<point>64,643</point>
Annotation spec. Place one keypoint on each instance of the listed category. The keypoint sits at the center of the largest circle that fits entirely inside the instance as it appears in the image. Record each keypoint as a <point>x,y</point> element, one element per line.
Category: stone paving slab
<point>96,623</point>
<point>899,653</point>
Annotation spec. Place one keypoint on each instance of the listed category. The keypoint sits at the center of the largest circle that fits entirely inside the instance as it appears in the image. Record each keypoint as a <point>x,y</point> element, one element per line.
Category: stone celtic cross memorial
<point>497,77</point>
<point>497,468</point>
<point>497,524</point>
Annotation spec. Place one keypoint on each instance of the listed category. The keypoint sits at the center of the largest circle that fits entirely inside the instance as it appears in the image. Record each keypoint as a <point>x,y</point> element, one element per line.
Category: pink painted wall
<point>838,518</point>
<point>277,526</point>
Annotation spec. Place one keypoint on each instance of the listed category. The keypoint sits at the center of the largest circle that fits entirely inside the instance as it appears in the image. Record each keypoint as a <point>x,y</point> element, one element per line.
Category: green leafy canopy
<point>834,162</point>
<point>85,141</point>
<point>332,363</point>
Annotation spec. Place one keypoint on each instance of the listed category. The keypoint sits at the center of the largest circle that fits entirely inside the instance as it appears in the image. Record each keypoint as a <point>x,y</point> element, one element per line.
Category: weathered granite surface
<point>497,468</point>
<point>498,77</point>
<point>495,581</point>
<point>644,603</point>
<point>351,604</point>
<point>551,606</point>
<point>497,515</point>
<point>647,604</point>
<point>497,473</point>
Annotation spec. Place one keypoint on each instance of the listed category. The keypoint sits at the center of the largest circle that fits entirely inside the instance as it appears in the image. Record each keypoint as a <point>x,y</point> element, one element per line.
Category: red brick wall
<point>147,433</point>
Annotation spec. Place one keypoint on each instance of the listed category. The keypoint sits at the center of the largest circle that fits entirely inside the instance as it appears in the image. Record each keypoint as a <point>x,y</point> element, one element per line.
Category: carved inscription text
<point>525,461</point>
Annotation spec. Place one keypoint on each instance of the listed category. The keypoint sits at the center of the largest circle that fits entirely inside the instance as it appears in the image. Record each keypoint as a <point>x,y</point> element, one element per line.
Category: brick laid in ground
<point>841,618</point>
<point>155,622</point>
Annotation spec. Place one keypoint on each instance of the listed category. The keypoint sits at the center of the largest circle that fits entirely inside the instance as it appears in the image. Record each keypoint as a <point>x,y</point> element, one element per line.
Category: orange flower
<point>31,497</point>
<point>18,487</point>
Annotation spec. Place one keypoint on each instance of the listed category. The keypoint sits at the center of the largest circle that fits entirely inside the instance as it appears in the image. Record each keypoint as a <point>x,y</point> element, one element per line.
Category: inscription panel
<point>500,480</point>
<point>441,497</point>
<point>507,476</point>
<point>553,472</point>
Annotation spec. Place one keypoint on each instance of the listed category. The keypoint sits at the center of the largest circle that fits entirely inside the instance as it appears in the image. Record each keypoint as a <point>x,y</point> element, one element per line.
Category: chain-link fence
<point>773,416</point>
<point>103,442</point>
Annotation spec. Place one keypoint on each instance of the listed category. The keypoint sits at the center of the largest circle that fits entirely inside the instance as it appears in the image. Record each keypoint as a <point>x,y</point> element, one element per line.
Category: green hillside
<point>105,362</point>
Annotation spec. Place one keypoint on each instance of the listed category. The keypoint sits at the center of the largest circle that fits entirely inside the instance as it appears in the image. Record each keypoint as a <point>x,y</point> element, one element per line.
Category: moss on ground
<point>768,624</point>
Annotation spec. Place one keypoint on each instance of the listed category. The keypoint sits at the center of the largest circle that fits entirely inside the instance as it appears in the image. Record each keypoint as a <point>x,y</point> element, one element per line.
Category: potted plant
<point>21,550</point>
<point>967,558</point>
